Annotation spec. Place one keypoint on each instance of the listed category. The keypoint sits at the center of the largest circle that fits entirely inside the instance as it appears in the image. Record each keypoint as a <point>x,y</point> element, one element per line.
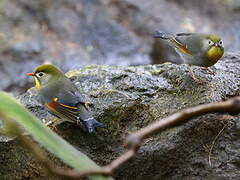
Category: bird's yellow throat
<point>214,53</point>
<point>38,85</point>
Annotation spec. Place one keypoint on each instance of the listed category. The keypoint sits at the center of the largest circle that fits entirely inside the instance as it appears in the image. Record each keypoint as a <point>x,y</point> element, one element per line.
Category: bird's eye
<point>40,74</point>
<point>220,43</point>
<point>210,43</point>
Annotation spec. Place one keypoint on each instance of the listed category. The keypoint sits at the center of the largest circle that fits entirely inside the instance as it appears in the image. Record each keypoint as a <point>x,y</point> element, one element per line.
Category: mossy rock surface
<point>129,98</point>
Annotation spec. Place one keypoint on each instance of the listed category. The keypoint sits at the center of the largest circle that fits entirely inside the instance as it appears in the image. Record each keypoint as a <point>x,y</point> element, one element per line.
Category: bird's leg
<point>193,75</point>
<point>53,123</point>
<point>209,70</point>
<point>80,123</point>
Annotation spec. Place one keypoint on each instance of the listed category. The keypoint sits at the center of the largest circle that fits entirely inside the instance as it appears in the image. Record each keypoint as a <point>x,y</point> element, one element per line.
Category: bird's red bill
<point>30,74</point>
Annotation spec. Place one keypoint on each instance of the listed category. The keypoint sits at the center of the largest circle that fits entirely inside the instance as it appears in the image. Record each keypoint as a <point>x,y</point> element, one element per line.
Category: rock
<point>129,98</point>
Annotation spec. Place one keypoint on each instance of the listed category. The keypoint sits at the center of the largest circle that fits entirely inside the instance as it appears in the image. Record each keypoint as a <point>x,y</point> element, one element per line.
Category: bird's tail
<point>91,124</point>
<point>163,35</point>
<point>86,118</point>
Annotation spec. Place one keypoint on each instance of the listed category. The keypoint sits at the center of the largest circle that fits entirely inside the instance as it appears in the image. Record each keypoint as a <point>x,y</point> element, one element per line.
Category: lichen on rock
<point>129,98</point>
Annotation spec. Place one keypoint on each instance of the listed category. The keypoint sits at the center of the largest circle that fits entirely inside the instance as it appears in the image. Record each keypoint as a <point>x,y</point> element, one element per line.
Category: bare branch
<point>230,106</point>
<point>107,170</point>
<point>133,141</point>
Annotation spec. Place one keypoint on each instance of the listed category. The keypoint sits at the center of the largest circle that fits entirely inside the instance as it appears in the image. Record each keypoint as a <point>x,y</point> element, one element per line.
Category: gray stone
<point>129,98</point>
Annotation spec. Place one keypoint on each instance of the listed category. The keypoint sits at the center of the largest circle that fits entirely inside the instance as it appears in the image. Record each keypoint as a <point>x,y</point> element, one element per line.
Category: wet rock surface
<point>129,98</point>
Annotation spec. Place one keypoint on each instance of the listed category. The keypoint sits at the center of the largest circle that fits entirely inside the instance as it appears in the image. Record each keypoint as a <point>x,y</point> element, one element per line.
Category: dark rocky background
<point>76,33</point>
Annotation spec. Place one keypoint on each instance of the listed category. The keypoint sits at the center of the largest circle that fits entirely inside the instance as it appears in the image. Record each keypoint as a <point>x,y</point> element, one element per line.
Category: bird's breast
<point>214,54</point>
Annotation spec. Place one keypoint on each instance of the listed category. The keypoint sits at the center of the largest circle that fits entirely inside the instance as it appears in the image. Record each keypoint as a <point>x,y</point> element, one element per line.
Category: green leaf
<point>46,137</point>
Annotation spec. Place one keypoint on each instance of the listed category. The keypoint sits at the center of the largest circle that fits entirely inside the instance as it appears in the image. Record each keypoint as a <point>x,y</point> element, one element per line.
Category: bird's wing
<point>63,110</point>
<point>69,103</point>
<point>179,43</point>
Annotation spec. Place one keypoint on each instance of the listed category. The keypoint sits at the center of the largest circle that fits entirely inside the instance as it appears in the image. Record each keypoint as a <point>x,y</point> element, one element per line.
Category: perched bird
<point>62,98</point>
<point>198,49</point>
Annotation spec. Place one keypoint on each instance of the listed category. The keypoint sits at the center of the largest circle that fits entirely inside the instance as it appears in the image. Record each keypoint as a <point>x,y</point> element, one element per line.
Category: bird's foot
<point>53,123</point>
<point>209,70</point>
<point>199,81</point>
<point>80,123</point>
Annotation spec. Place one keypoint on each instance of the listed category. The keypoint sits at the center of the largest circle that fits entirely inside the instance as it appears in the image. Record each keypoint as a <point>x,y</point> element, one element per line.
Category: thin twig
<point>213,143</point>
<point>107,170</point>
<point>133,141</point>
<point>230,106</point>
